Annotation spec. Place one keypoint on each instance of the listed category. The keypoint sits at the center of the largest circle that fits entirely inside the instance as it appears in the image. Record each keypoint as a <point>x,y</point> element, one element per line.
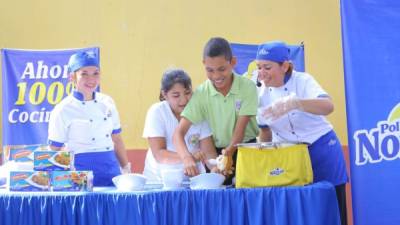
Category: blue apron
<point>327,159</point>
<point>104,165</point>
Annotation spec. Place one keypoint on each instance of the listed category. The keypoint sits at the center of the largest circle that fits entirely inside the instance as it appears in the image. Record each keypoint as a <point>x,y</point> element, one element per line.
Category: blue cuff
<point>117,131</point>
<point>55,143</point>
<point>263,126</point>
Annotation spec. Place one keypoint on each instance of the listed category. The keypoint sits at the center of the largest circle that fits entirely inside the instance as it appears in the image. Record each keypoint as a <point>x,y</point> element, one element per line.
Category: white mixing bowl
<point>207,181</point>
<point>130,182</point>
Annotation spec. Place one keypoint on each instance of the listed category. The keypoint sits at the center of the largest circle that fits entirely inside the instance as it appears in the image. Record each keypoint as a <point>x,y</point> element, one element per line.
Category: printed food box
<point>22,153</point>
<point>52,160</point>
<point>72,180</point>
<point>29,181</point>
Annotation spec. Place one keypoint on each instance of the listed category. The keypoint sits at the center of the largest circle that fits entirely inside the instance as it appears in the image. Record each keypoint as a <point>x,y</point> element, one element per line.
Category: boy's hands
<point>200,156</point>
<point>225,163</point>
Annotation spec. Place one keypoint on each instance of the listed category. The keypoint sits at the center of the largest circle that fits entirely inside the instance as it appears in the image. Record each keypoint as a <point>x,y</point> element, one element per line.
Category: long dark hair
<point>172,77</point>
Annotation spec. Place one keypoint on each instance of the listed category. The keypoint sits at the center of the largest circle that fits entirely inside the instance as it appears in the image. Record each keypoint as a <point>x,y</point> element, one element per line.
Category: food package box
<point>72,180</point>
<point>52,160</point>
<point>29,181</point>
<point>22,153</point>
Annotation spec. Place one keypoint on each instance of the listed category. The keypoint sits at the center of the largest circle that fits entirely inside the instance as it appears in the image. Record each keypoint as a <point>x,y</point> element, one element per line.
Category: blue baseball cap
<point>276,51</point>
<point>82,59</point>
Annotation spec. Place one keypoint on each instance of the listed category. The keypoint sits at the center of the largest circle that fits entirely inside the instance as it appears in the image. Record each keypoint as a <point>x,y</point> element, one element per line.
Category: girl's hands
<point>190,167</point>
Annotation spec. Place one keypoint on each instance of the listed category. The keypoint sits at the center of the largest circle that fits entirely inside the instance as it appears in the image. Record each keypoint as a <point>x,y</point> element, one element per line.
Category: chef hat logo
<point>263,52</point>
<point>275,51</point>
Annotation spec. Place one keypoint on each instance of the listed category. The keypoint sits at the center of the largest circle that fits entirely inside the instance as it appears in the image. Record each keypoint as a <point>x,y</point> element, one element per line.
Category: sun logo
<point>194,140</point>
<point>252,71</point>
<point>394,114</point>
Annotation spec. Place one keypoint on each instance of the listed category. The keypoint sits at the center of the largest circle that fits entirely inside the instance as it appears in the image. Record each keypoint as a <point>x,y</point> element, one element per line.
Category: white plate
<point>153,186</point>
<point>54,162</point>
<point>173,188</point>
<point>31,182</point>
<point>130,190</point>
<point>3,182</point>
<point>206,188</point>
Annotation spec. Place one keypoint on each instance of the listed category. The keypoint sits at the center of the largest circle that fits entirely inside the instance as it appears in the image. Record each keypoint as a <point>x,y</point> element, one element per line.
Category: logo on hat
<point>263,52</point>
<point>91,54</point>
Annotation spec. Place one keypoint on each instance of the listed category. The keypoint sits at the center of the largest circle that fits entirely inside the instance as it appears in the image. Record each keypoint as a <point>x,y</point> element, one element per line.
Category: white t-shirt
<point>161,122</point>
<point>84,126</point>
<point>296,126</point>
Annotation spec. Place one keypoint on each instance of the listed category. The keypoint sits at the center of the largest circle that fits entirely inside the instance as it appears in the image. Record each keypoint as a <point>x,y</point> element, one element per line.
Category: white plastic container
<point>172,178</point>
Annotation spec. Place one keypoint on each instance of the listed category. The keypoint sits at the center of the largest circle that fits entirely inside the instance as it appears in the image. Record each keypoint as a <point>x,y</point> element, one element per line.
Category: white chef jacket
<point>296,126</point>
<point>84,126</point>
<point>161,122</point>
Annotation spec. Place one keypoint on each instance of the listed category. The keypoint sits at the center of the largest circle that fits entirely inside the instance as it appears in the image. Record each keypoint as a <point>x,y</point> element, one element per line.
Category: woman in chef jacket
<point>292,107</point>
<point>87,123</point>
<point>161,120</point>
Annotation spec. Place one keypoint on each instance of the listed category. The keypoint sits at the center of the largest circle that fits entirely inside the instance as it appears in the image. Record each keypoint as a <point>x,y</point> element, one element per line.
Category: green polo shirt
<point>221,112</point>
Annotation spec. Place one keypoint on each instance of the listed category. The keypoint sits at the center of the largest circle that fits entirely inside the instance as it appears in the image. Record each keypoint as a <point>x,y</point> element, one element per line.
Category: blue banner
<point>33,82</point>
<point>371,52</point>
<point>246,53</point>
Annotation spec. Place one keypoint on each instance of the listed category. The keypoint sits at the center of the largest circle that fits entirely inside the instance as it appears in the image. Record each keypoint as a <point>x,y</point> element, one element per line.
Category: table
<point>309,205</point>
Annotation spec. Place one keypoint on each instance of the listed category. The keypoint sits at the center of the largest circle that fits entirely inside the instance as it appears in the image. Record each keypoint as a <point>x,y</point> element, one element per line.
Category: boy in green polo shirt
<point>227,101</point>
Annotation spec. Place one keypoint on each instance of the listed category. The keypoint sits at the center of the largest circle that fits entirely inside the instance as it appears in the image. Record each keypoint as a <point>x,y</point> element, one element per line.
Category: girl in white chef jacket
<point>162,119</point>
<point>292,107</point>
<point>87,123</point>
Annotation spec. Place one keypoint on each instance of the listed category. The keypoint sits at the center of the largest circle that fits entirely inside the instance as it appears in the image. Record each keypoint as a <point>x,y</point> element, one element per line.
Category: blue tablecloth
<point>310,205</point>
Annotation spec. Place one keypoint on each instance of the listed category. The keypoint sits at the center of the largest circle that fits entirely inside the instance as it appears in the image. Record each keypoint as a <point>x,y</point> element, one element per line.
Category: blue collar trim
<point>80,97</point>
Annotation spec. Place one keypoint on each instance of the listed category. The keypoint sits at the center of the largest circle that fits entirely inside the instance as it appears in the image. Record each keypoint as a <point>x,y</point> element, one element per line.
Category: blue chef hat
<point>82,59</point>
<point>275,51</point>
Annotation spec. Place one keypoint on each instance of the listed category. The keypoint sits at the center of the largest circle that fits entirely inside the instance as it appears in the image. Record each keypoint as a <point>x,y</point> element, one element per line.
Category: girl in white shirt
<point>161,120</point>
